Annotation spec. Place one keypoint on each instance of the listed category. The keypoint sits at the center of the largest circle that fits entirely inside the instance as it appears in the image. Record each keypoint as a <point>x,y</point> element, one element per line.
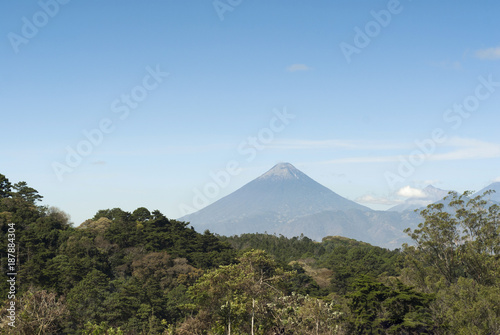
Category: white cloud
<point>456,148</point>
<point>469,149</point>
<point>298,67</point>
<point>497,179</point>
<point>488,54</point>
<point>410,192</point>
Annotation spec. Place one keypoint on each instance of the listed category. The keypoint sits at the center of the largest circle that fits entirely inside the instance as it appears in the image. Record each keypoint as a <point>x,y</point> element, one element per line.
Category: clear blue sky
<point>360,101</point>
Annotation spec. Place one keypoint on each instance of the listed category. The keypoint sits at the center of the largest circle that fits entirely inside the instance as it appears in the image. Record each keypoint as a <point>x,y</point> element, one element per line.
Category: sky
<point>171,105</point>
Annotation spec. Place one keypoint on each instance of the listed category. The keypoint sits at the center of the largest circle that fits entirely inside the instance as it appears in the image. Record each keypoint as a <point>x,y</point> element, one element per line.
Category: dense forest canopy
<point>142,273</point>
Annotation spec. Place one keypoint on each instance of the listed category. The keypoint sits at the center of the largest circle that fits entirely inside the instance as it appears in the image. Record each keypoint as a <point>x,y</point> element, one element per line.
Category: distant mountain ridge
<point>435,195</point>
<point>494,196</point>
<point>431,195</point>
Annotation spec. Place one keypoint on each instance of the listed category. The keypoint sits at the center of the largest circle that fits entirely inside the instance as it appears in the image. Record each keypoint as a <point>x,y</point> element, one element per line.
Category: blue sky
<point>187,101</point>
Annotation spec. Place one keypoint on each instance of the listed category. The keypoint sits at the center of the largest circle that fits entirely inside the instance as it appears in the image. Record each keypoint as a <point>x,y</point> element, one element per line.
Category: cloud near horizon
<point>298,67</point>
<point>459,149</point>
<point>377,200</point>
<point>410,192</point>
<point>488,54</point>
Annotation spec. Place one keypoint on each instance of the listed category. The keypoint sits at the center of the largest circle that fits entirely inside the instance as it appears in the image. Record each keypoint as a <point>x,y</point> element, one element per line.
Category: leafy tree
<point>302,283</point>
<point>283,249</point>
<point>99,226</point>
<point>238,295</point>
<point>37,312</point>
<point>366,304</point>
<point>5,187</point>
<point>346,258</point>
<point>458,240</point>
<point>28,194</point>
<point>101,329</point>
<point>125,304</point>
<point>86,299</point>
<point>467,307</point>
<point>141,214</point>
<point>350,259</point>
<point>456,256</point>
<point>379,309</point>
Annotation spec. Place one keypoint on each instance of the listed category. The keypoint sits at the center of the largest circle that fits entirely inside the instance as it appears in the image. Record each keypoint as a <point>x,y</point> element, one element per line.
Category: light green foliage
<point>466,307</point>
<point>458,240</point>
<point>299,314</point>
<point>101,329</point>
<point>457,257</point>
<point>240,294</point>
<point>37,312</point>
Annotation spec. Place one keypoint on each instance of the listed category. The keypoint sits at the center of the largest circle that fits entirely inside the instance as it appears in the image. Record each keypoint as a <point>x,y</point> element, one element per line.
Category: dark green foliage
<point>86,298</point>
<point>157,233</point>
<point>38,234</point>
<point>283,249</point>
<point>350,259</point>
<point>379,309</point>
<point>302,283</point>
<point>119,269</point>
<point>5,187</point>
<point>142,273</point>
<point>28,194</point>
<point>347,258</point>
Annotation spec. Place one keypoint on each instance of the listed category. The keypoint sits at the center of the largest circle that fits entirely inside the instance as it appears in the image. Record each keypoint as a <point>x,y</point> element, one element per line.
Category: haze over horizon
<point>128,104</point>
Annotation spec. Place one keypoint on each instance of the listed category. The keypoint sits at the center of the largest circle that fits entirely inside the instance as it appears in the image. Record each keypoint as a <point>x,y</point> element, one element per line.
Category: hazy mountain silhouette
<point>286,201</point>
<point>431,195</point>
<point>494,196</point>
<point>283,191</point>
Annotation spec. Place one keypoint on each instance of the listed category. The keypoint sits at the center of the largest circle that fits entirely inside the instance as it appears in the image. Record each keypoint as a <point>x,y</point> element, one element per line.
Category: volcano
<point>286,201</point>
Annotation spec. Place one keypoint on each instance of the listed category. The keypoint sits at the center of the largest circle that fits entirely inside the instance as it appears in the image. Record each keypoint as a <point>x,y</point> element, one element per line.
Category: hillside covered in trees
<point>142,273</point>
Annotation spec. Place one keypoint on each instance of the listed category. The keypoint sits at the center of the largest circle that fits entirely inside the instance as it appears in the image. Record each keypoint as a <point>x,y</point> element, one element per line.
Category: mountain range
<point>495,196</point>
<point>430,194</point>
<point>286,201</point>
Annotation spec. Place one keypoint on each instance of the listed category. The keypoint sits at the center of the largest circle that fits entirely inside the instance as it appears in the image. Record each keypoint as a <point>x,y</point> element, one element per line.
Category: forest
<point>141,273</point>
